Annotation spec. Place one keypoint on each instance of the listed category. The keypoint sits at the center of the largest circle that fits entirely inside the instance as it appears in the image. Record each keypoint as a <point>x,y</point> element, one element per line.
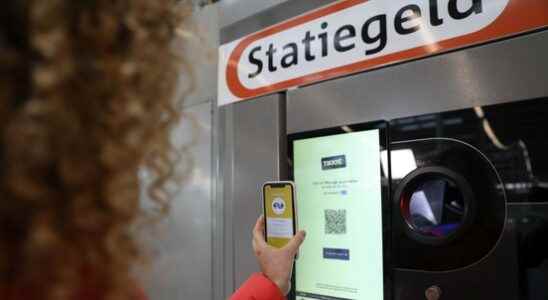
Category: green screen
<point>338,180</point>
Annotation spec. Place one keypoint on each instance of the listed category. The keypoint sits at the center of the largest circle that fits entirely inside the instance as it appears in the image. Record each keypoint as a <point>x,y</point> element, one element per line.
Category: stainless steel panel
<point>247,143</point>
<point>513,69</point>
<point>232,11</point>
<point>181,265</point>
<point>223,259</point>
<point>256,144</point>
<point>199,49</point>
<point>235,10</point>
<point>217,207</point>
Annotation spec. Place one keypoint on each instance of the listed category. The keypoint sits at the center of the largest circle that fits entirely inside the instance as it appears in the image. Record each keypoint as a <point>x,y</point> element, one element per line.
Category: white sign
<point>355,35</point>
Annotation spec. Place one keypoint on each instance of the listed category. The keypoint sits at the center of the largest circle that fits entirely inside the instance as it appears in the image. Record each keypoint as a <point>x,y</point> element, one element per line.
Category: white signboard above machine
<point>351,36</point>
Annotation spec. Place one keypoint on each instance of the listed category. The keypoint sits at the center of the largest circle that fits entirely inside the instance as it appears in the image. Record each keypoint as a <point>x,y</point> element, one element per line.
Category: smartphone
<point>279,209</point>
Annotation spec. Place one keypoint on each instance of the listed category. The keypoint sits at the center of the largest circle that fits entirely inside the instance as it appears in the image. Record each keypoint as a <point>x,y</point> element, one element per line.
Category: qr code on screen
<point>335,221</point>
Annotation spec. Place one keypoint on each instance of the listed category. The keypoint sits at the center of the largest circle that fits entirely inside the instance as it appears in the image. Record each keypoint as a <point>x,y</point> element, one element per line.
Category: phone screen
<point>340,207</point>
<point>279,213</point>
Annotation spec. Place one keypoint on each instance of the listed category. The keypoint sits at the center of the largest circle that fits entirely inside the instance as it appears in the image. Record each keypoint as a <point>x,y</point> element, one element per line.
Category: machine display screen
<point>339,200</point>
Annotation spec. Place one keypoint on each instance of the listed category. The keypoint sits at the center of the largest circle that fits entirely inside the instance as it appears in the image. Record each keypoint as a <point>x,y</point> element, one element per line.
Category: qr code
<point>335,221</point>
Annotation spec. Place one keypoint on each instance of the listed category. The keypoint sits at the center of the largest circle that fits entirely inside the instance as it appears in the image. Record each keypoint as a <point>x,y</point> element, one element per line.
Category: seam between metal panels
<point>282,137</point>
<point>217,268</point>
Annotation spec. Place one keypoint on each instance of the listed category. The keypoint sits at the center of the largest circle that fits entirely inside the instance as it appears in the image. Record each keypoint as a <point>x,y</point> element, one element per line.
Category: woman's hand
<point>276,264</point>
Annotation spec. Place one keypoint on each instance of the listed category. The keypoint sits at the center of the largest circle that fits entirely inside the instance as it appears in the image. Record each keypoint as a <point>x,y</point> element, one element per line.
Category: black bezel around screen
<point>382,126</point>
<point>280,184</point>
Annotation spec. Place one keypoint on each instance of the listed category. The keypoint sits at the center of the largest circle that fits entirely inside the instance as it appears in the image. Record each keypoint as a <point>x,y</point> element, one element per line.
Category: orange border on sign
<point>519,16</point>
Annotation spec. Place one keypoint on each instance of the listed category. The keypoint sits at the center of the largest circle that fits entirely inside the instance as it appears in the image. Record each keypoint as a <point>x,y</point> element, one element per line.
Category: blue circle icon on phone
<point>278,206</point>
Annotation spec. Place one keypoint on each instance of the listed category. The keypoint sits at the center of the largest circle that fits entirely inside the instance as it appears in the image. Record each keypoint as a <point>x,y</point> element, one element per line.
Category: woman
<point>86,91</point>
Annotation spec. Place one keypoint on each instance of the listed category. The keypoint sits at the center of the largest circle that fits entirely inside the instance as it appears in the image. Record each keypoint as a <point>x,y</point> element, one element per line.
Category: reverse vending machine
<point>415,132</point>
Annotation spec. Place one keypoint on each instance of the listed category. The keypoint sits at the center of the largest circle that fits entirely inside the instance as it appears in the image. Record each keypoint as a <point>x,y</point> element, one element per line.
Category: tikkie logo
<point>334,162</point>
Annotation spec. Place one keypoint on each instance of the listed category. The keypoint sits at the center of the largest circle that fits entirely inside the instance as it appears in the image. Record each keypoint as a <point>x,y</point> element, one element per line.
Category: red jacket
<point>258,287</point>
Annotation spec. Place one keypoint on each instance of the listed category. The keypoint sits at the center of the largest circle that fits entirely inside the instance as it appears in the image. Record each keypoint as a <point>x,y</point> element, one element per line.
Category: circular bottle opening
<point>436,204</point>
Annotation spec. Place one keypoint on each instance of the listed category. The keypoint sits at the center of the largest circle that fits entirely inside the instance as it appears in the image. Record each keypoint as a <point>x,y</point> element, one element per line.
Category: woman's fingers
<point>259,241</point>
<point>295,243</point>
<point>258,233</point>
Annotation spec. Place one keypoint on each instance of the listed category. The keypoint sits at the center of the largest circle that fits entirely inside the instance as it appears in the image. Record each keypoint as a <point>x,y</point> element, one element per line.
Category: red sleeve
<point>140,294</point>
<point>258,287</point>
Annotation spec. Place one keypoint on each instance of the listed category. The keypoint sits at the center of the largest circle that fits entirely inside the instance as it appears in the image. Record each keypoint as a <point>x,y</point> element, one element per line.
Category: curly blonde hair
<point>86,102</point>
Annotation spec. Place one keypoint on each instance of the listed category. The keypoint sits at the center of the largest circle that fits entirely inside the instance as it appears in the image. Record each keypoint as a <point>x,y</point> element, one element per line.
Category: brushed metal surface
<point>255,160</point>
<point>197,80</point>
<point>233,11</point>
<point>217,205</point>
<point>508,70</point>
<point>181,263</point>
<point>226,197</point>
<point>234,25</point>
